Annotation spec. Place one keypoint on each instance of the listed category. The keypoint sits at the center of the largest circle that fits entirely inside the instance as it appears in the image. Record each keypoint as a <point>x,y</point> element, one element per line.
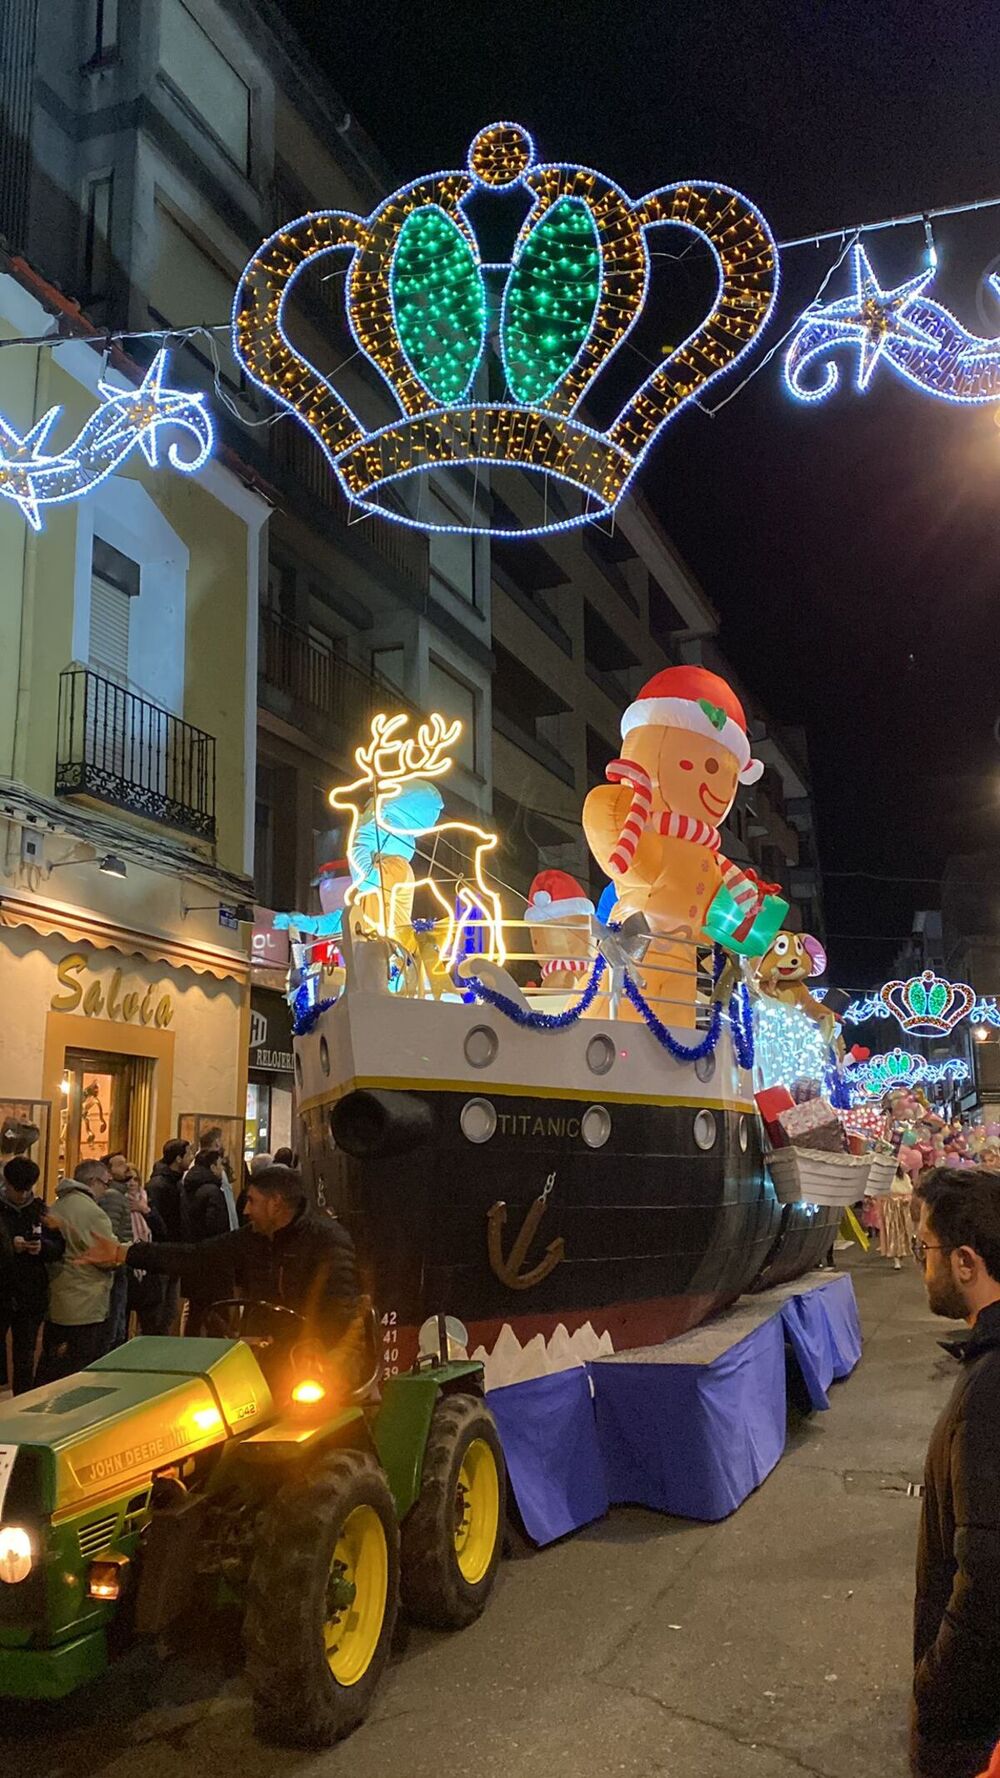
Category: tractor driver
<point>284,1253</point>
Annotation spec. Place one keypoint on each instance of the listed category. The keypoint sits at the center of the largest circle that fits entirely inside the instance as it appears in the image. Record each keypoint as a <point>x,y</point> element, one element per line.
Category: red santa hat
<point>554,895</point>
<point>694,699</point>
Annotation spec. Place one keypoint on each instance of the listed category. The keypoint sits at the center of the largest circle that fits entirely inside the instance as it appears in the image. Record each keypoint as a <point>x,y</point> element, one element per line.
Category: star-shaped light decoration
<point>21,454</point>
<point>32,477</point>
<point>877,316</point>
<point>142,411</point>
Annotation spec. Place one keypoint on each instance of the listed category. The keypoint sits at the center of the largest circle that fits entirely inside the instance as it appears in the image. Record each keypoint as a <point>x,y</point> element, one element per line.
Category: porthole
<point>600,1054</point>
<point>481,1046</point>
<point>298,1068</point>
<point>595,1126</point>
<point>478,1120</point>
<point>705,1130</point>
<point>324,1055</point>
<point>744,1134</point>
<point>705,1068</point>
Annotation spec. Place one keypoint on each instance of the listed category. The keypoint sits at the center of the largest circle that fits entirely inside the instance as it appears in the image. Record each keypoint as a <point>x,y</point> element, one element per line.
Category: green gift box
<point>726,923</point>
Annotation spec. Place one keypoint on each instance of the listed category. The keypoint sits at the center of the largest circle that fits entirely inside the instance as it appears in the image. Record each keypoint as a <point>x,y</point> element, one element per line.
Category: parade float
<point>575,1165</point>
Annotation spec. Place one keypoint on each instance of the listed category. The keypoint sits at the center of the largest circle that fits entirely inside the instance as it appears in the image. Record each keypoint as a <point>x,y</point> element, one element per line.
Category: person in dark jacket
<point>33,1246</point>
<point>956,1688</point>
<point>163,1188</point>
<point>166,1199</point>
<point>284,1253</point>
<point>206,1215</point>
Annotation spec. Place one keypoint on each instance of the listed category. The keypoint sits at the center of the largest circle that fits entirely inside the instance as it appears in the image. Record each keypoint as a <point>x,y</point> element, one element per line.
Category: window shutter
<point>109,618</point>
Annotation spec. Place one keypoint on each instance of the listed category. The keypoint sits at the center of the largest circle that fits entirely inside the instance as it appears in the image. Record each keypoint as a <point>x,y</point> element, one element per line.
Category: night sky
<point>851,547</point>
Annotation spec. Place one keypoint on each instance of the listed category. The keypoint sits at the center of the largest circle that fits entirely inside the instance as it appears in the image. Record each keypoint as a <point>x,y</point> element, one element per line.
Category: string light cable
<point>432,241</point>
<point>793,328</point>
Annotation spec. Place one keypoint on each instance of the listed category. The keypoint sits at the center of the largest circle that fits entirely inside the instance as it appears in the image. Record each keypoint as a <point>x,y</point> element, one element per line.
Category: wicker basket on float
<point>818,1176</point>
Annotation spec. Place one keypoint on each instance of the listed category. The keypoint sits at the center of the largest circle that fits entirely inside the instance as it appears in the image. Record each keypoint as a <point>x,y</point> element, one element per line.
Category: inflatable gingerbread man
<point>559,914</point>
<point>655,830</point>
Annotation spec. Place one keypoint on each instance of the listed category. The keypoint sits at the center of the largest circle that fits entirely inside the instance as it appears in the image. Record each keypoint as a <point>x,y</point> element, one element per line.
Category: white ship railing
<point>676,974</point>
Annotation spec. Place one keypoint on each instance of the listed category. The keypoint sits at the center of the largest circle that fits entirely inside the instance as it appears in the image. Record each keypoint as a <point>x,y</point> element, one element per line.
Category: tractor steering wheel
<point>259,1324</point>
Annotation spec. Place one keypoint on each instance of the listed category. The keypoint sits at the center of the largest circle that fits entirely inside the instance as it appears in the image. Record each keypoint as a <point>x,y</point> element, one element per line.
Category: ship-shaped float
<point>570,1164</point>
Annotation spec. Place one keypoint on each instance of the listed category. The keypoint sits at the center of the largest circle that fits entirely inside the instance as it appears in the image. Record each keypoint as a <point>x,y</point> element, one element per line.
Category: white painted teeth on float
<point>510,1362</point>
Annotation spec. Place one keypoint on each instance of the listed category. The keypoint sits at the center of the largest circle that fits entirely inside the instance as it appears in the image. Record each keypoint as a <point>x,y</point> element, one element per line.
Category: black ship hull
<point>670,1219</point>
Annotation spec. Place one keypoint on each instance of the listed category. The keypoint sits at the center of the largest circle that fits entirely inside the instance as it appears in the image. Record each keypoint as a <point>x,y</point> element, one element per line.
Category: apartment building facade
<point>127,716</point>
<point>150,146</point>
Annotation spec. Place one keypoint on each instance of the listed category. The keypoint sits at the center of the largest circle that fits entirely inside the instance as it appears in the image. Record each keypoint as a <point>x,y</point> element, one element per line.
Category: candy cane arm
<point>605,812</point>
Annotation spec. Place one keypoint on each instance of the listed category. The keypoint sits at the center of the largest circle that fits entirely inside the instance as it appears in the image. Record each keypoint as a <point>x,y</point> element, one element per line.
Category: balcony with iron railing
<point>118,748</point>
<point>309,683</point>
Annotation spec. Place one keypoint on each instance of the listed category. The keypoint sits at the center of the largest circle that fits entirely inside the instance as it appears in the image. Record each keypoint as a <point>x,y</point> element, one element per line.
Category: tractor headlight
<point>308,1392</point>
<point>16,1554</point>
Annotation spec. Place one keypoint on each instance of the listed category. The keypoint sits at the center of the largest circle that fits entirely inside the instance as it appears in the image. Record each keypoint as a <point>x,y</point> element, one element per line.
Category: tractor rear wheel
<point>322,1601</point>
<point>452,1538</point>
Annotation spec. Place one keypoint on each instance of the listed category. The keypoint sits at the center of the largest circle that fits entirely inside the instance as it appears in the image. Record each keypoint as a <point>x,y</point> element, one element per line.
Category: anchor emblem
<point>509,1270</point>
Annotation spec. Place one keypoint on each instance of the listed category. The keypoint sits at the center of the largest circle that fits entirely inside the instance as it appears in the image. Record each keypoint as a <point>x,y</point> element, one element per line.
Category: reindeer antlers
<point>388,761</point>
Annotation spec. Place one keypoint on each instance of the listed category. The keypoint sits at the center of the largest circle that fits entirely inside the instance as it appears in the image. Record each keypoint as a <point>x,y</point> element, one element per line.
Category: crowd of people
<point>61,1312</point>
<point>111,1253</point>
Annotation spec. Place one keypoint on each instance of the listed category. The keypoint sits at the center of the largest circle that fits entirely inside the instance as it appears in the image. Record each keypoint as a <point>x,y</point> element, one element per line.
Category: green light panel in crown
<point>551,299</point>
<point>439,302</point>
<point>420,310</point>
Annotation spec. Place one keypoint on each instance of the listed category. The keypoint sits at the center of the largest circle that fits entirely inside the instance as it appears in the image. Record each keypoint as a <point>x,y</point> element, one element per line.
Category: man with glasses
<point>956,1691</point>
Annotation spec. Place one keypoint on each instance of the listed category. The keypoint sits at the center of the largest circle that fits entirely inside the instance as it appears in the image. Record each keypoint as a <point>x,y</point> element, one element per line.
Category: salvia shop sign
<point>81,989</point>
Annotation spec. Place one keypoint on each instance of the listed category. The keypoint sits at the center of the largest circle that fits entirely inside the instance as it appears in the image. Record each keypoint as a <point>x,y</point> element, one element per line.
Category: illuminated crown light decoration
<point>927,1005</point>
<point>901,1068</point>
<point>902,328</point>
<point>127,419</point>
<point>423,307</point>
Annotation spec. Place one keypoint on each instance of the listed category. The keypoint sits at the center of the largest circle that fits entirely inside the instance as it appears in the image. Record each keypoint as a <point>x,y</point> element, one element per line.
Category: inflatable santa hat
<point>692,698</point>
<point>555,895</point>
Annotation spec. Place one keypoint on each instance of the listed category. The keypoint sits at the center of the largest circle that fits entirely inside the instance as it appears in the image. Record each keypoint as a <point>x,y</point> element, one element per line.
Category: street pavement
<point>769,1646</point>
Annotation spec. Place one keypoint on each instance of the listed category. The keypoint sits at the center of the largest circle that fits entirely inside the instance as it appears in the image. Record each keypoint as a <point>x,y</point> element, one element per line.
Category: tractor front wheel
<point>321,1602</point>
<point>452,1538</point>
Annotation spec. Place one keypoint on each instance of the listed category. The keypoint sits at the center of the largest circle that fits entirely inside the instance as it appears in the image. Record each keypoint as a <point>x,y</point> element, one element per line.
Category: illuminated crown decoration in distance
<point>927,1005</point>
<point>127,419</point>
<point>902,328</point>
<point>901,1068</point>
<point>424,308</point>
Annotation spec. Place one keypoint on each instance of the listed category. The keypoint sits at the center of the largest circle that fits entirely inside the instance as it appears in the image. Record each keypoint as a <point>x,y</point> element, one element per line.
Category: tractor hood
<point>143,1407</point>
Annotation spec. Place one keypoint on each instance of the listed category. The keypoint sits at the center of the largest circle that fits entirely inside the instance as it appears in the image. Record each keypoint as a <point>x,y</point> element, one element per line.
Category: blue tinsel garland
<point>307,1019</point>
<point>740,1015</point>
<point>740,1019</point>
<point>536,1021</point>
<point>681,1052</point>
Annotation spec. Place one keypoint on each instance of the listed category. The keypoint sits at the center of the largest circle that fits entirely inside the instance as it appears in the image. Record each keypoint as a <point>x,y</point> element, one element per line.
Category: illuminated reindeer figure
<point>388,764</point>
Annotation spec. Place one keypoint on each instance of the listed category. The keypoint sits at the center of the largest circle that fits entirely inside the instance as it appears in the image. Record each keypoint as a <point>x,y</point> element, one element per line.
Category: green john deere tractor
<point>258,1468</point>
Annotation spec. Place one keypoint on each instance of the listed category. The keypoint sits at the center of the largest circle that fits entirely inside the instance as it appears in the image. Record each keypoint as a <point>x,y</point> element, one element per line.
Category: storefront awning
<point>49,920</point>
